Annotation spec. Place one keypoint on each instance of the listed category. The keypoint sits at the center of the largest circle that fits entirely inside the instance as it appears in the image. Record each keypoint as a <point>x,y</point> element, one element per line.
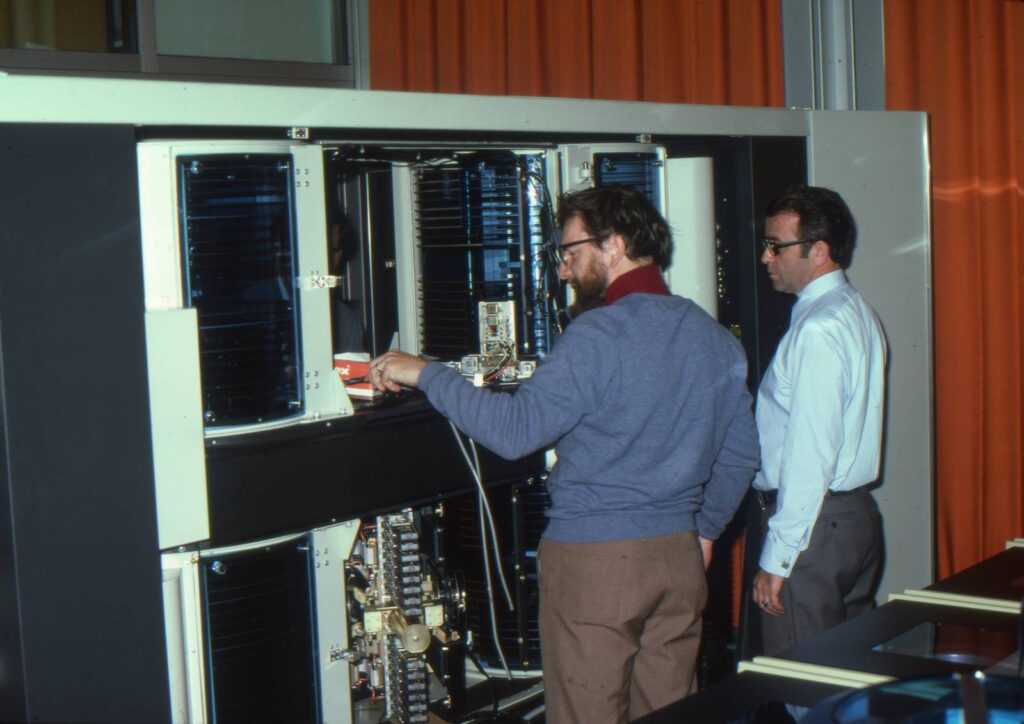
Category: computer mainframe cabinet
<point>84,482</point>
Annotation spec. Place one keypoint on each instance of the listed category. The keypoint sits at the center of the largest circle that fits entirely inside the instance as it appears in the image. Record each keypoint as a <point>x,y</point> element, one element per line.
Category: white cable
<point>474,470</point>
<point>483,505</point>
<point>490,591</point>
<point>494,530</point>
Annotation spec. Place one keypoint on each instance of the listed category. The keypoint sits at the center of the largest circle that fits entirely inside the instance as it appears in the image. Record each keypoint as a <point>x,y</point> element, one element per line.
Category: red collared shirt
<point>645,279</point>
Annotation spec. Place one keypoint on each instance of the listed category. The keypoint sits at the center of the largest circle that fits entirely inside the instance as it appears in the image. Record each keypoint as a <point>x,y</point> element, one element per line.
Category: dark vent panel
<point>636,170</point>
<point>259,635</point>
<point>238,244</point>
<point>479,225</point>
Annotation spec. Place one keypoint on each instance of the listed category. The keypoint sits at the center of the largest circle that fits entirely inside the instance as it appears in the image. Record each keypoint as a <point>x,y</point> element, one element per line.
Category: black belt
<point>767,498</point>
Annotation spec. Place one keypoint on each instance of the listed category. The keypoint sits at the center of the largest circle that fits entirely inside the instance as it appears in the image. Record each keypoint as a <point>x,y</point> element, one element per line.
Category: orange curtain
<point>680,51</point>
<point>962,62</point>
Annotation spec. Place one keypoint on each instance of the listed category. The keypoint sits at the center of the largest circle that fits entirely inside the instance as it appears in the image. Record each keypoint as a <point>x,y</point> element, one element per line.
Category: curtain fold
<point>960,61</point>
<point>679,51</point>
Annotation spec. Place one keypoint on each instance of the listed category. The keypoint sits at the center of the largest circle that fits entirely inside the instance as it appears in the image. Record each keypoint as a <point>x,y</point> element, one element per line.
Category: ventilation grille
<point>239,258</point>
<point>478,226</point>
<point>259,636</point>
<point>520,520</point>
<point>640,171</point>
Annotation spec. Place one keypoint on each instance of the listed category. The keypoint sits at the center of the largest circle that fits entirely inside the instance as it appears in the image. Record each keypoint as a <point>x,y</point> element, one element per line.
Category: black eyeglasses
<point>772,246</point>
<point>560,250</point>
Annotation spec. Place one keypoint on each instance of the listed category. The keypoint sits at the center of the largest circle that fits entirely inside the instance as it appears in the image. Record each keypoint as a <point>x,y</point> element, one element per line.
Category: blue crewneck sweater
<point>645,401</point>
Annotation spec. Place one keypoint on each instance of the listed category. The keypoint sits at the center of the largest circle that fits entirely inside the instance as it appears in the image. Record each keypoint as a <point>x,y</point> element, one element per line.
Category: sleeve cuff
<point>705,530</point>
<point>429,373</point>
<point>778,558</point>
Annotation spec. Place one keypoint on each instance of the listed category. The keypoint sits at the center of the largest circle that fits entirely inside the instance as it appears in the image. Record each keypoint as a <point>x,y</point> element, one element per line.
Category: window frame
<point>146,63</point>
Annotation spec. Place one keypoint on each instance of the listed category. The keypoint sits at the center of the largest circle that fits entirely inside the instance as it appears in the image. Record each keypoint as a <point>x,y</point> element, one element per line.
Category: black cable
<point>551,234</point>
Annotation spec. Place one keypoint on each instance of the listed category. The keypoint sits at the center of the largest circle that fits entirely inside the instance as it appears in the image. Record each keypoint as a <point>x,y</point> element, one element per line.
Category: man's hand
<point>392,370</point>
<point>767,587</point>
<point>705,549</point>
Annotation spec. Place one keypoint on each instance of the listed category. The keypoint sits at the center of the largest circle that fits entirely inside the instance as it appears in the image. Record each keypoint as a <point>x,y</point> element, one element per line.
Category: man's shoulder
<point>642,299</point>
<point>834,304</point>
<point>634,308</point>
<point>661,306</point>
<point>638,314</point>
<point>838,313</point>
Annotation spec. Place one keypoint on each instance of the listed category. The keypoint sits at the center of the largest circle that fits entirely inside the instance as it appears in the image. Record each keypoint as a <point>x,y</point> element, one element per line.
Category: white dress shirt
<point>819,412</point>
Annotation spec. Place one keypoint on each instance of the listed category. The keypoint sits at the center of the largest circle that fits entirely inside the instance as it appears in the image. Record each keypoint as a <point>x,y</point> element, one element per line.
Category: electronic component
<point>497,328</point>
<point>497,360</point>
<point>482,225</point>
<point>526,368</point>
<point>400,631</point>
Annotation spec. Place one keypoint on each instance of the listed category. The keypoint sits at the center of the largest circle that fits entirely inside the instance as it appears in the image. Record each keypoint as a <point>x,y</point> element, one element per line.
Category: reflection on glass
<point>944,700</point>
<point>97,26</point>
<point>958,644</point>
<point>239,259</point>
<point>306,32</point>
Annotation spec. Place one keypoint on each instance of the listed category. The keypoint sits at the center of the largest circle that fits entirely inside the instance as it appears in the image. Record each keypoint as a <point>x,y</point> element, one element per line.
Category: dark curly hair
<point>823,216</point>
<point>607,210</point>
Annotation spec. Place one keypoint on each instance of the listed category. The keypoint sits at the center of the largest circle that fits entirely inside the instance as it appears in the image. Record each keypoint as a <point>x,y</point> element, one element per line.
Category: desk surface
<point>959,641</point>
<point>901,639</point>
<point>1001,576</point>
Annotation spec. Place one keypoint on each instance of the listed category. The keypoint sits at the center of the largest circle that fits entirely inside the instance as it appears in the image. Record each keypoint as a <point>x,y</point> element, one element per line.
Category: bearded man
<point>645,401</point>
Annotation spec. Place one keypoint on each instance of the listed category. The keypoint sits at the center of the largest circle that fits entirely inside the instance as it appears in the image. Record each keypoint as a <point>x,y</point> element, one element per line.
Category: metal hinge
<point>320,281</point>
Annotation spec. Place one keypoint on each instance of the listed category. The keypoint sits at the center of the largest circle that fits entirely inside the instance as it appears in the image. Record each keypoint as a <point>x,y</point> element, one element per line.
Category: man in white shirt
<point>819,421</point>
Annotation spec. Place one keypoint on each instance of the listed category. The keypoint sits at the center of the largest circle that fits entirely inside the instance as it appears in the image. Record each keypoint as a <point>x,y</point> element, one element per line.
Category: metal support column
<point>834,54</point>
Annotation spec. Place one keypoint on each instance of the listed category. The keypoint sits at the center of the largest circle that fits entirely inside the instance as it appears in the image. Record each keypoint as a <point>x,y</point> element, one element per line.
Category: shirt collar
<point>646,279</point>
<point>820,286</point>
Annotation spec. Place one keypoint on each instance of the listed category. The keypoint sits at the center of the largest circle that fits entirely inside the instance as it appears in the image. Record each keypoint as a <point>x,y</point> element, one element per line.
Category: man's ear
<point>821,253</point>
<point>615,246</point>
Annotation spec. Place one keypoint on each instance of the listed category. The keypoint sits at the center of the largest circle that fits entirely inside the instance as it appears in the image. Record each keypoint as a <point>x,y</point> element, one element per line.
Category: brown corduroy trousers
<point>620,626</point>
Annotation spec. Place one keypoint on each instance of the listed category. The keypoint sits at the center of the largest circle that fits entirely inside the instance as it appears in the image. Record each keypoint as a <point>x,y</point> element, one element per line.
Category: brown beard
<point>589,292</point>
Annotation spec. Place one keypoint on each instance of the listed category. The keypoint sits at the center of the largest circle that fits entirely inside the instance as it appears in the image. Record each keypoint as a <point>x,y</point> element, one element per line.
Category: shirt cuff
<point>777,557</point>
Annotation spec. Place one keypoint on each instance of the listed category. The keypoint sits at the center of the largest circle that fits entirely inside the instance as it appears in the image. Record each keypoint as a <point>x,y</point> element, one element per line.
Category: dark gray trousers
<point>835,578</point>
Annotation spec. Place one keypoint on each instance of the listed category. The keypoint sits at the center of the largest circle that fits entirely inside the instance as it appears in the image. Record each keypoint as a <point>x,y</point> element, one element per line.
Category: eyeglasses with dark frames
<point>561,249</point>
<point>772,246</point>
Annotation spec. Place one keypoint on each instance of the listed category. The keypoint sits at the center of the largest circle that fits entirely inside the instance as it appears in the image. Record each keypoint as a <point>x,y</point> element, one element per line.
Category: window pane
<point>305,32</point>
<point>99,26</point>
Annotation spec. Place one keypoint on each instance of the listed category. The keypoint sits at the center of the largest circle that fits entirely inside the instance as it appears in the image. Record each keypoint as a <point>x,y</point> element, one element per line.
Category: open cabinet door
<point>886,186</point>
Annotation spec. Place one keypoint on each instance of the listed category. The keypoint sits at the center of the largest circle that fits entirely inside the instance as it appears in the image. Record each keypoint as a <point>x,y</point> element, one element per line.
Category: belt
<point>767,498</point>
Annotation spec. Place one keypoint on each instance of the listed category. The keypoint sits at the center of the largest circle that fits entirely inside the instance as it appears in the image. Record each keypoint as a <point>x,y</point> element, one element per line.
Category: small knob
<point>416,638</point>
